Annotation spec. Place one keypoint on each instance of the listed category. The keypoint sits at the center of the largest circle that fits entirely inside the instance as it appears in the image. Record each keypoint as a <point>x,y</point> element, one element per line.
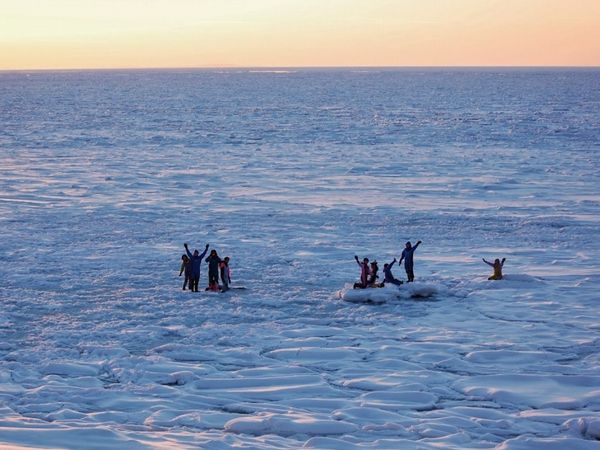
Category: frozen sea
<point>105,174</point>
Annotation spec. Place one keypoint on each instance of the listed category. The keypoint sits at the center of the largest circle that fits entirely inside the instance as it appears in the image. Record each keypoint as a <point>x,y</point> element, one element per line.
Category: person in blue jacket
<point>389,276</point>
<point>195,260</point>
<point>407,256</point>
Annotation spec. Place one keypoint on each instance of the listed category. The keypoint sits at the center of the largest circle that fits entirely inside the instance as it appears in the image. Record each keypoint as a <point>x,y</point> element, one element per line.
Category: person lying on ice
<point>388,276</point>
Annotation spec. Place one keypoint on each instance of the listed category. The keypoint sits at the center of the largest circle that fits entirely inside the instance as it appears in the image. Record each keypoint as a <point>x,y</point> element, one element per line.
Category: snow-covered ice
<point>389,292</point>
<point>104,175</point>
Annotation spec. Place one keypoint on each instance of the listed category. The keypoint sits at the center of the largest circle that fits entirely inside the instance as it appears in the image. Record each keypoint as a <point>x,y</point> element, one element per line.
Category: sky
<point>71,34</point>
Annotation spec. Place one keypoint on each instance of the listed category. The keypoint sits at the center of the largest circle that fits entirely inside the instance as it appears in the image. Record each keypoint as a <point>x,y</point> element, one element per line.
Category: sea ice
<point>105,174</point>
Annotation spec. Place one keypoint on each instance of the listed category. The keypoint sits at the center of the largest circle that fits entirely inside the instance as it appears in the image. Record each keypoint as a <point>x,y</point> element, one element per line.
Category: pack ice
<point>104,175</point>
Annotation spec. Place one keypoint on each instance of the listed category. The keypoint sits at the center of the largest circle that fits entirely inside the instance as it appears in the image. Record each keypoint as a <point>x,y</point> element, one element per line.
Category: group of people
<point>369,276</point>
<point>368,272</point>
<point>190,267</point>
<point>219,268</point>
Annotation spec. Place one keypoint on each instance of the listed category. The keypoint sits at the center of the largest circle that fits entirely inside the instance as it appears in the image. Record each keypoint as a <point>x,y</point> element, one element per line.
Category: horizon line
<point>233,67</point>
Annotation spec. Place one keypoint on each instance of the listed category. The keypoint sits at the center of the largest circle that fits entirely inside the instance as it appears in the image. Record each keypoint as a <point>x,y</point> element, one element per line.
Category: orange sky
<point>63,34</point>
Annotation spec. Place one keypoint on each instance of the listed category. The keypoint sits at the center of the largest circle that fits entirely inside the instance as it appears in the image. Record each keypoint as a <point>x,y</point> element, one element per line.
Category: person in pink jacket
<point>364,273</point>
<point>225,274</point>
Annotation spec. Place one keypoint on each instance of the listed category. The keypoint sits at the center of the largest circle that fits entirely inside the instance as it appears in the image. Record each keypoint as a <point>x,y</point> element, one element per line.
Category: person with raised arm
<point>388,276</point>
<point>407,256</point>
<point>213,261</point>
<point>364,273</point>
<point>196,261</point>
<point>497,266</point>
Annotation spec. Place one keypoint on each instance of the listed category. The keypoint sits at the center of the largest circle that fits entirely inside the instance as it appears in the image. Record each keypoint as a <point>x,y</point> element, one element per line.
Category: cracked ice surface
<point>103,179</point>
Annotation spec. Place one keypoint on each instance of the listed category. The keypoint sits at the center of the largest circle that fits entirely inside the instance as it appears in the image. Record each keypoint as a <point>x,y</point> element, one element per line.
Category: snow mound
<point>397,401</point>
<point>559,391</point>
<point>288,425</point>
<point>586,427</point>
<point>509,281</point>
<point>416,290</point>
<point>529,443</point>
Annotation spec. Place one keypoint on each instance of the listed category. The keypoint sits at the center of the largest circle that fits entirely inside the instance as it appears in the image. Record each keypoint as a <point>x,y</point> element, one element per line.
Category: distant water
<point>507,108</point>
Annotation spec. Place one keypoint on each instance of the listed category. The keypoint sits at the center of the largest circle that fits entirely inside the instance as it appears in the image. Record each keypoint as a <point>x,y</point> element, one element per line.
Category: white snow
<point>416,290</point>
<point>103,177</point>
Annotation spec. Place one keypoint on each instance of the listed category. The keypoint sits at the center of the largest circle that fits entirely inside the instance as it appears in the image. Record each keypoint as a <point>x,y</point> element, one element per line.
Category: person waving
<point>407,256</point>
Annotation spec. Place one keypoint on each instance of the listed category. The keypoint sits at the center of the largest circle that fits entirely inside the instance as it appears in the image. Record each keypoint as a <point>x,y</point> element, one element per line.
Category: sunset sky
<point>63,34</point>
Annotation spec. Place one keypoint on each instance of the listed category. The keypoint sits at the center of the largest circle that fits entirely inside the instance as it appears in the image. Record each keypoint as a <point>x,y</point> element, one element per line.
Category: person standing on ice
<point>186,267</point>
<point>497,265</point>
<point>196,261</point>
<point>407,256</point>
<point>213,261</point>
<point>364,273</point>
<point>225,274</point>
<point>388,276</point>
